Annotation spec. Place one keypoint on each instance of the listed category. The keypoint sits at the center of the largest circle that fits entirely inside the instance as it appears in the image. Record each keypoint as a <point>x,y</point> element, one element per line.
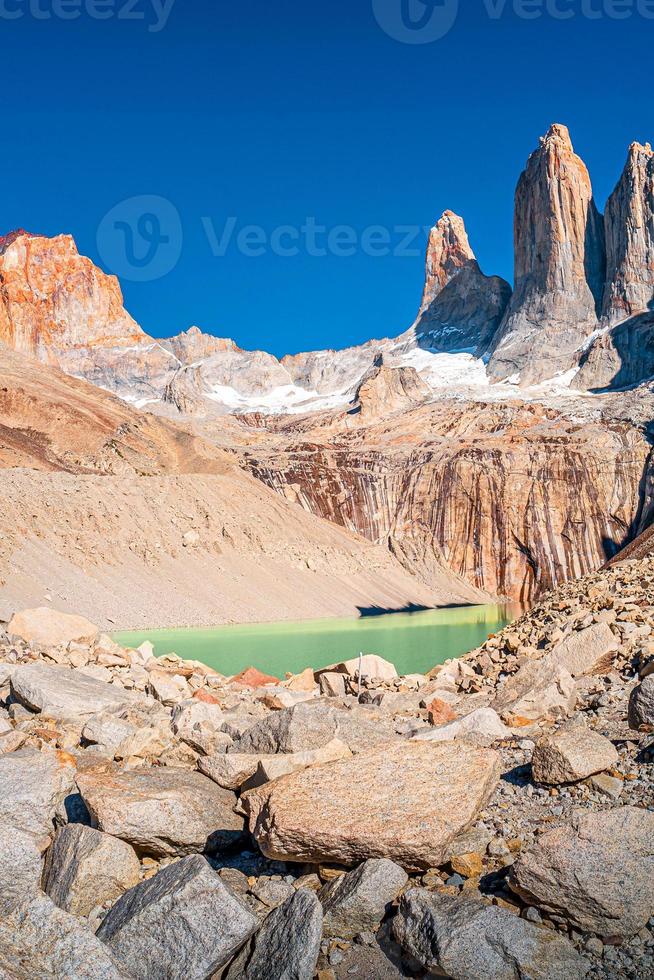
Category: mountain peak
<point>557,133</point>
<point>448,252</point>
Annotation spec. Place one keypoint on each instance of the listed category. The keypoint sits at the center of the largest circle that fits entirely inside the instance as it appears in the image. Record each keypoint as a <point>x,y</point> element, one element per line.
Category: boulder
<point>590,651</point>
<point>538,691</point>
<point>50,628</point>
<point>229,771</point>
<point>39,940</point>
<point>332,685</point>
<point>288,944</point>
<point>440,712</point>
<point>641,705</point>
<point>21,865</point>
<point>251,677</point>
<point>183,922</point>
<point>85,868</point>
<point>482,726</point>
<point>404,802</point>
<point>167,687</point>
<point>371,666</point>
<point>301,682</point>
<point>358,901</point>
<point>572,754</point>
<point>33,787</point>
<point>162,812</point>
<point>108,731</point>
<point>65,694</point>
<point>302,728</point>
<point>11,741</point>
<point>597,873</point>
<point>465,939</point>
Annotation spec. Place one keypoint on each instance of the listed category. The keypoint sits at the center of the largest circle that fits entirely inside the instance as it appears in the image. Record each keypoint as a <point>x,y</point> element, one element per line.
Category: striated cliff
<point>513,497</point>
<point>559,266</point>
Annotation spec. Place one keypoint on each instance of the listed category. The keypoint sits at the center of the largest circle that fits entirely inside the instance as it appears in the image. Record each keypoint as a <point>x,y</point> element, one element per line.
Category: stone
<point>288,944</point>
<point>305,727</point>
<point>641,705</point>
<point>33,787</point>
<point>162,812</point>
<point>277,698</point>
<point>39,940</point>
<point>183,922</point>
<point>536,692</point>
<point>251,677</point>
<point>440,712</point>
<point>404,802</point>
<point>229,770</point>
<point>358,901</point>
<point>572,754</point>
<point>272,893</point>
<point>332,685</point>
<point>85,868</point>
<point>589,651</point>
<point>559,266</point>
<point>166,687</point>
<point>465,939</point>
<point>371,666</point>
<point>21,866</point>
<point>50,628</point>
<point>275,766</point>
<point>482,726</point>
<point>107,731</point>
<point>607,785</point>
<point>469,865</point>
<point>11,741</point>
<point>598,873</point>
<point>64,694</point>
<point>305,681</point>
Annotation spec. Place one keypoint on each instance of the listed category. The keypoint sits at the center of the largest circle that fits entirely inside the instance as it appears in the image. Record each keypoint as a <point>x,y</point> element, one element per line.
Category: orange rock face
<point>54,300</point>
<point>251,677</point>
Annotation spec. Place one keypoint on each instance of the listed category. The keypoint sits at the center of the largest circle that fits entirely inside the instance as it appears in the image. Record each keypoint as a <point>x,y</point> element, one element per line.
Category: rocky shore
<point>494,818</point>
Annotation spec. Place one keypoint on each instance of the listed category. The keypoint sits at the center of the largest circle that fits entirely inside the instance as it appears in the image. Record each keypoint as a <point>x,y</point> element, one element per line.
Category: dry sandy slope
<point>112,548</point>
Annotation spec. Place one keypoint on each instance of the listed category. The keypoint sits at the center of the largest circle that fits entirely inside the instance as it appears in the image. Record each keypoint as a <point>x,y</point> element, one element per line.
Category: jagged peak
<point>12,236</point>
<point>557,133</point>
<point>636,149</point>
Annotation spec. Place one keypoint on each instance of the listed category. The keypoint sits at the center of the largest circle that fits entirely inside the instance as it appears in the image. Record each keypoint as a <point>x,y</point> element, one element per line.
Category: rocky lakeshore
<point>492,818</point>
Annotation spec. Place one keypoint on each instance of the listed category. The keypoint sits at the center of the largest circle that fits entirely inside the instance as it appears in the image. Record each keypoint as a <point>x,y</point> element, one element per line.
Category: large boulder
<point>33,787</point>
<point>302,728</point>
<point>39,940</point>
<point>184,922</point>
<point>641,705</point>
<point>405,802</point>
<point>358,901</point>
<point>287,945</point>
<point>538,691</point>
<point>465,939</point>
<point>162,812</point>
<point>589,651</point>
<point>50,628</point>
<point>274,766</point>
<point>65,694</point>
<point>85,868</point>
<point>598,873</point>
<point>571,754</point>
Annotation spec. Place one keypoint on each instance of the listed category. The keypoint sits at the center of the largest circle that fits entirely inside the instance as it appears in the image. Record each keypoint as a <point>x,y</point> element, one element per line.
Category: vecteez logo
<point>416,21</point>
<point>140,239</point>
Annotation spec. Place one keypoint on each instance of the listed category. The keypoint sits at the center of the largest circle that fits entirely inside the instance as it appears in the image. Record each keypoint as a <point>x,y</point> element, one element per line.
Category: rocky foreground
<point>494,818</point>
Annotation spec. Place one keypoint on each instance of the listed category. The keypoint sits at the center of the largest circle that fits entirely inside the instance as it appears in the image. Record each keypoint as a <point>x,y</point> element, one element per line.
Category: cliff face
<point>623,353</point>
<point>512,497</point>
<point>559,266</point>
<point>629,224</point>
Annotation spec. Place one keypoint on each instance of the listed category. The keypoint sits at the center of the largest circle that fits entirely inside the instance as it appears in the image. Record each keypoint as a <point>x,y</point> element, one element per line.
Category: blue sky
<point>270,113</point>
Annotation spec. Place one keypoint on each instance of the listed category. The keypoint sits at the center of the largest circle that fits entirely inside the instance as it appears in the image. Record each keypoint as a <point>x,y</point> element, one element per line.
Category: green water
<point>414,642</point>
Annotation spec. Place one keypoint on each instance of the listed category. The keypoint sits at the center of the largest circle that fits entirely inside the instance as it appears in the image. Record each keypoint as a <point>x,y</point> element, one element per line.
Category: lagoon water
<point>414,642</point>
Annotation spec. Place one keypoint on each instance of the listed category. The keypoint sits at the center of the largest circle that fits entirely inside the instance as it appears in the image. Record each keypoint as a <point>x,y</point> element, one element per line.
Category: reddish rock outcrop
<point>448,251</point>
<point>559,266</point>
